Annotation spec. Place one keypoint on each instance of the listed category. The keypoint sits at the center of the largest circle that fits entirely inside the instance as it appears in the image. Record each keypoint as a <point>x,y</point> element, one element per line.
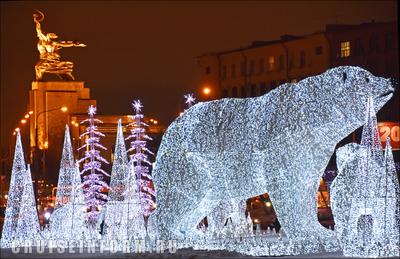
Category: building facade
<point>262,66</point>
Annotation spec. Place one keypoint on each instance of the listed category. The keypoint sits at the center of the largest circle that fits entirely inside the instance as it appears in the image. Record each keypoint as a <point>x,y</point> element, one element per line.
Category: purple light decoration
<point>93,183</point>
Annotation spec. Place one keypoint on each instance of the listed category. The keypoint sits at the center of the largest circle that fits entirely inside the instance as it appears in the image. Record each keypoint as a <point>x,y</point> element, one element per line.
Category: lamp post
<point>36,149</point>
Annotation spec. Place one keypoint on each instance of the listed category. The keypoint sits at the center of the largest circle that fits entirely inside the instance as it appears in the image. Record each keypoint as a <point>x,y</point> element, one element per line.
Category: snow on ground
<point>181,253</point>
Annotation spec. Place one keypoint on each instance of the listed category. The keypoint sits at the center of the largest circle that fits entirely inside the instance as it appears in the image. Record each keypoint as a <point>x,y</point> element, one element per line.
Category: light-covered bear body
<point>278,143</point>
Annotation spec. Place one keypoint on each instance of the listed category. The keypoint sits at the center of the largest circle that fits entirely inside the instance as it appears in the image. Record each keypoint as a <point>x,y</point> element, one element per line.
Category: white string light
<point>278,143</point>
<point>365,195</point>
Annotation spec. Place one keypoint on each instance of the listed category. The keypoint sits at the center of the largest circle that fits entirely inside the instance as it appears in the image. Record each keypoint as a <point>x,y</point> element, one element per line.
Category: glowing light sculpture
<point>93,182</point>
<point>365,196</point>
<point>116,209</point>
<point>228,213</point>
<point>66,173</point>
<point>278,143</point>
<point>189,100</point>
<point>14,198</point>
<point>28,228</point>
<point>68,222</point>
<point>140,159</point>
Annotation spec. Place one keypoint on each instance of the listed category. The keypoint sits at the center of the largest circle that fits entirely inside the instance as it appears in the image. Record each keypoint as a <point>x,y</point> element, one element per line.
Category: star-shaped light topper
<point>189,99</point>
<point>92,110</point>
<point>137,105</point>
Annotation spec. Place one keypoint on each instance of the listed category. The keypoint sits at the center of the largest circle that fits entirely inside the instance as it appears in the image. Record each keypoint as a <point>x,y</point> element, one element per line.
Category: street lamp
<point>206,90</point>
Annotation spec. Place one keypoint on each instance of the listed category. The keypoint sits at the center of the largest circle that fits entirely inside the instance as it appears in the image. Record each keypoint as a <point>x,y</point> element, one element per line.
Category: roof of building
<point>287,37</point>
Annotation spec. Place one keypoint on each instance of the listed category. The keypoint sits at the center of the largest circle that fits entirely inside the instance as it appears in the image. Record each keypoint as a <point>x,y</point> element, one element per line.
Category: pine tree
<point>140,161</point>
<point>28,223</point>
<point>66,173</point>
<point>116,216</point>
<point>93,182</point>
<point>17,183</point>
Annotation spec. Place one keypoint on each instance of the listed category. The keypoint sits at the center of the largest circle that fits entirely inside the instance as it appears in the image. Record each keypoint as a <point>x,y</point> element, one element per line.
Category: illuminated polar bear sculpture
<point>277,143</point>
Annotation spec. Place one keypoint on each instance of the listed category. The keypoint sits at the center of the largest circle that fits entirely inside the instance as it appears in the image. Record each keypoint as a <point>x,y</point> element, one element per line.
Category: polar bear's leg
<point>192,217</point>
<point>177,196</point>
<point>296,209</point>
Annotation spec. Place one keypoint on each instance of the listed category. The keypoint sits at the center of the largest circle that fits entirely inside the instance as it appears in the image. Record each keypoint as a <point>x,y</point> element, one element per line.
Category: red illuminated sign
<point>392,130</point>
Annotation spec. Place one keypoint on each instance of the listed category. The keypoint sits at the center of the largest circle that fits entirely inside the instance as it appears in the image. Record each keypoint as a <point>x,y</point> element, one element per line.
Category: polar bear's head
<point>342,92</point>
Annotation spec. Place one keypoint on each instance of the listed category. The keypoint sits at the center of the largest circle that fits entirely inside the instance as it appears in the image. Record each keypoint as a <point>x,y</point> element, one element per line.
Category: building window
<point>318,50</point>
<point>233,70</point>
<point>373,44</point>
<point>234,92</point>
<point>251,67</point>
<point>263,89</point>
<point>242,68</point>
<point>253,91</point>
<point>345,49</point>
<point>208,70</point>
<point>389,41</point>
<point>223,72</point>
<point>261,66</point>
<point>281,63</point>
<point>225,93</point>
<point>243,91</point>
<point>302,58</point>
<point>271,63</point>
<point>358,48</point>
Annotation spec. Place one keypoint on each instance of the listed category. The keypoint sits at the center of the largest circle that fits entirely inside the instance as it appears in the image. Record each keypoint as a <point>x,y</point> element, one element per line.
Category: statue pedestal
<point>48,120</point>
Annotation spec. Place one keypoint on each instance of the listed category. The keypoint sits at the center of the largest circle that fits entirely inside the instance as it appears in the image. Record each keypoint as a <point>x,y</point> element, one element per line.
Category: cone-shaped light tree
<point>116,216</point>
<point>28,223</point>
<point>66,173</point>
<point>68,221</point>
<point>390,189</point>
<point>370,134</point>
<point>17,183</point>
<point>370,140</point>
<point>93,175</point>
<point>139,159</point>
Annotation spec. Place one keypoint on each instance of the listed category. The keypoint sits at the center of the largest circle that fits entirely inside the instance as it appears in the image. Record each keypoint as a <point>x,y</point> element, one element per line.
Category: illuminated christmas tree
<point>66,173</point>
<point>370,134</point>
<point>17,183</point>
<point>68,221</point>
<point>116,215</point>
<point>139,160</point>
<point>390,190</point>
<point>93,179</point>
<point>28,228</point>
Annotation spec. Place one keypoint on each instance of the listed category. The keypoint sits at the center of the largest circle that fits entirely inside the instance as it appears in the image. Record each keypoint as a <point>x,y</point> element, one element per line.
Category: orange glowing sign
<point>391,130</point>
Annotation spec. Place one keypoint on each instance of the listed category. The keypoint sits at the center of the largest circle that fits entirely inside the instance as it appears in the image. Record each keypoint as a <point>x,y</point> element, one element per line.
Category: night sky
<point>148,50</point>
